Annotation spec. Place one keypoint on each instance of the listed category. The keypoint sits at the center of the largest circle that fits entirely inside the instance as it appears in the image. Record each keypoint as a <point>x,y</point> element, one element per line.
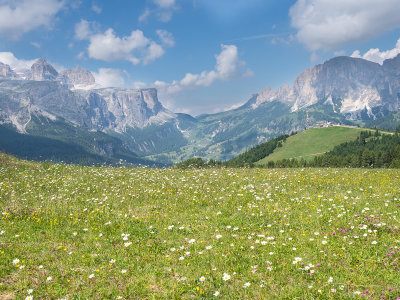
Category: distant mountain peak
<point>77,78</point>
<point>41,70</point>
<point>6,72</point>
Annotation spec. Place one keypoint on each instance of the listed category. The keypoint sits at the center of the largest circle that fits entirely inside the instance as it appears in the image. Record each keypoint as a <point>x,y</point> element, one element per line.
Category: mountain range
<point>69,109</point>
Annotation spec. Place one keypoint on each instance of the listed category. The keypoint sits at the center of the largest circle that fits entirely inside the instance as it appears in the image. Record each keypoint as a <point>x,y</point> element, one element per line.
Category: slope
<point>312,142</point>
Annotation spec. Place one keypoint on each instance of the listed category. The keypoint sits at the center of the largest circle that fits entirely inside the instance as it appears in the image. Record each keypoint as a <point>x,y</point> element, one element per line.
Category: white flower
<point>123,271</point>
<point>324,242</point>
<point>374,242</point>
<point>218,236</point>
<point>202,278</point>
<point>91,275</point>
<point>208,247</point>
<point>216,294</point>
<point>112,261</point>
<point>330,280</point>
<point>181,258</point>
<point>74,233</point>
<point>127,244</point>
<point>30,297</point>
<point>357,293</point>
<point>226,277</point>
<point>30,291</point>
<point>247,284</point>
<point>192,241</point>
<point>15,261</point>
<point>49,278</point>
<point>297,259</point>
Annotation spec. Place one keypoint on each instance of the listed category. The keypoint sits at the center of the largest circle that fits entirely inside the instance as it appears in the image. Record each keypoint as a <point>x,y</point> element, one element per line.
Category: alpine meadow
<point>70,232</point>
<point>202,149</point>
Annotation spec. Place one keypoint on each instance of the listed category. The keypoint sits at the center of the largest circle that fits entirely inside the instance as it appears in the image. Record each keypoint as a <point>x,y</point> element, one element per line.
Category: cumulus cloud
<point>228,66</point>
<point>134,48</point>
<point>20,16</point>
<point>83,30</point>
<point>166,37</point>
<point>109,77</point>
<point>326,24</point>
<point>377,55</point>
<point>8,58</point>
<point>163,9</point>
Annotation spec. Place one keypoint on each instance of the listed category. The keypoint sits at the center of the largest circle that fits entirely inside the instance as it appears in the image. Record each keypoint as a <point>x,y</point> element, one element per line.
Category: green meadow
<point>71,232</point>
<point>313,142</point>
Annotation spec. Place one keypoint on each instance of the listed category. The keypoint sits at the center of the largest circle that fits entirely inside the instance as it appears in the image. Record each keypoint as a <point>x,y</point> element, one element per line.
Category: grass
<point>79,232</point>
<point>313,142</point>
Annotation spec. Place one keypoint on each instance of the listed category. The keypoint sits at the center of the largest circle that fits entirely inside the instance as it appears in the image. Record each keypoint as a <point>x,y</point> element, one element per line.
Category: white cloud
<point>164,3</point>
<point>378,56</point>
<point>83,30</point>
<point>166,37</point>
<point>163,9</point>
<point>97,9</point>
<point>20,16</point>
<point>8,58</point>
<point>109,77</point>
<point>326,24</point>
<point>134,48</point>
<point>228,66</point>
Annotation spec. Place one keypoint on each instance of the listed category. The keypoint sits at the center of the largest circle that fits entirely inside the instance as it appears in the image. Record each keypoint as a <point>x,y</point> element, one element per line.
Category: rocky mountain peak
<point>41,70</point>
<point>392,65</point>
<point>6,72</point>
<point>77,77</point>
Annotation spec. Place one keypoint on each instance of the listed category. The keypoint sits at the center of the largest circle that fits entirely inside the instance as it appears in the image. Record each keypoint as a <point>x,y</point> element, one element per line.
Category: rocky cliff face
<point>76,77</point>
<point>41,70</point>
<point>6,72</point>
<point>354,84</point>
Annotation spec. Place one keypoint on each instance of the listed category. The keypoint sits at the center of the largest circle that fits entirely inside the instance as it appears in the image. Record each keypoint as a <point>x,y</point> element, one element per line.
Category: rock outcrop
<point>41,70</point>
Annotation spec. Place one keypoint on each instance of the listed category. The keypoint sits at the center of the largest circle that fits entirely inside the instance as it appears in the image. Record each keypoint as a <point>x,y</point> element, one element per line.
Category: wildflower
<point>297,259</point>
<point>208,247</point>
<point>374,242</point>
<point>112,261</point>
<point>49,278</point>
<point>91,275</point>
<point>30,297</point>
<point>30,291</point>
<point>192,241</point>
<point>226,277</point>
<point>324,242</point>
<point>15,261</point>
<point>123,271</point>
<point>202,278</point>
<point>218,236</point>
<point>357,293</point>
<point>216,294</point>
<point>246,285</point>
<point>74,233</point>
<point>181,258</point>
<point>127,244</point>
<point>330,280</point>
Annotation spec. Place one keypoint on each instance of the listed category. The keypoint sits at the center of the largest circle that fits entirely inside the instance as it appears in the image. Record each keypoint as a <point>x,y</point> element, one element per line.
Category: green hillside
<point>313,142</point>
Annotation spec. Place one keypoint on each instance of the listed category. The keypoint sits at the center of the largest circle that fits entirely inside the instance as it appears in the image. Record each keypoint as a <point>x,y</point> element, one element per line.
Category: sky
<point>203,56</point>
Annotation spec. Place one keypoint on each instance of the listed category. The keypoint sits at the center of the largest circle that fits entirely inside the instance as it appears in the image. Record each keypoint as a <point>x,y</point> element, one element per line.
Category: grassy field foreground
<point>78,232</point>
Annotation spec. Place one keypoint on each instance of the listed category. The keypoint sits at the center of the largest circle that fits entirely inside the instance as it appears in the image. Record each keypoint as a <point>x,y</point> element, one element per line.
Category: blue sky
<point>203,56</point>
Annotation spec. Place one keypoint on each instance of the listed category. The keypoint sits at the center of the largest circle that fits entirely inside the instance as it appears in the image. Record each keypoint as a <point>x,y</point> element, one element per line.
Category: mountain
<point>343,90</point>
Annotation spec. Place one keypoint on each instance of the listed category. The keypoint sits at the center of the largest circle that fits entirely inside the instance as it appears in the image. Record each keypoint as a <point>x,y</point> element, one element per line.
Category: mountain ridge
<point>343,90</point>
